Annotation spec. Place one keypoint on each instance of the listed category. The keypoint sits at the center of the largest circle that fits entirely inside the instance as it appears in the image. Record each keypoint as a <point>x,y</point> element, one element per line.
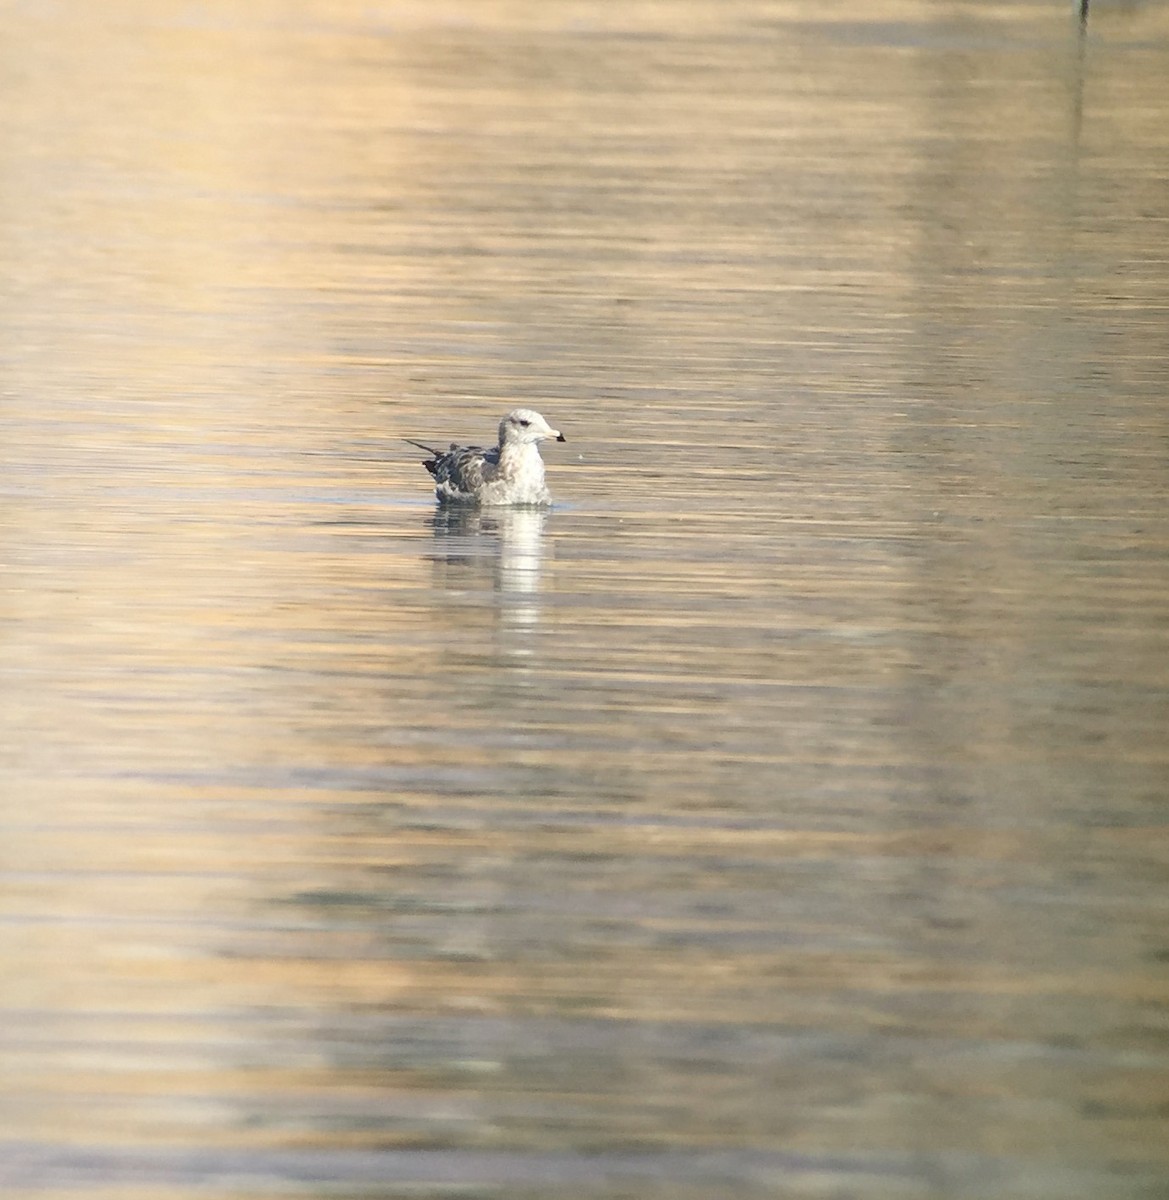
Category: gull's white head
<point>526,428</point>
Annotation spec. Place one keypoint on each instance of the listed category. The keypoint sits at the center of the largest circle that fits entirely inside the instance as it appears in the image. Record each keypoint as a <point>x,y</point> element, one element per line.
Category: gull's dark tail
<point>431,463</point>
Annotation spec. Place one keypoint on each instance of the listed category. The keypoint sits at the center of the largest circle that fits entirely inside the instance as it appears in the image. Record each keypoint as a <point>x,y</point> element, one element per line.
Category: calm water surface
<point>780,815</point>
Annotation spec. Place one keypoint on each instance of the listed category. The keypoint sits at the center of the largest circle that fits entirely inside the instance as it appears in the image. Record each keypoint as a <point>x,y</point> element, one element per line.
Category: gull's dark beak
<point>560,437</point>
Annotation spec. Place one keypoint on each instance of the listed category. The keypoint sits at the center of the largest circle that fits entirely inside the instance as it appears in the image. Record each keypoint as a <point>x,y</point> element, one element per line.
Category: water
<point>782,813</point>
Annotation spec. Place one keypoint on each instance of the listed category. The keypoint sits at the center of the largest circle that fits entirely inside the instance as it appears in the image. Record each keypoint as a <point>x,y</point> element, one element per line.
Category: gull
<point>510,473</point>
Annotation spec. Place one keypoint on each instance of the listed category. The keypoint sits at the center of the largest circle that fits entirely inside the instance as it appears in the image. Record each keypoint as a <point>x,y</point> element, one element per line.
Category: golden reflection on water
<point>782,812</point>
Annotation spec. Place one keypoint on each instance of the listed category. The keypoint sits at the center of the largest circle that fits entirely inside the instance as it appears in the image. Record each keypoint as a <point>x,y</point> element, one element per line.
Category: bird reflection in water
<point>493,549</point>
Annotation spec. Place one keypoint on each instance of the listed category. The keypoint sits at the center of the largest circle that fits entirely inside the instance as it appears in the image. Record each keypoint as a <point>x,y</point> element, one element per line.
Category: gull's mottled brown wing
<point>462,471</point>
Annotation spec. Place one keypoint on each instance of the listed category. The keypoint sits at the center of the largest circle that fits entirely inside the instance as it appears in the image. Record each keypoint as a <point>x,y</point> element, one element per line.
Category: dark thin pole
<point>1081,54</point>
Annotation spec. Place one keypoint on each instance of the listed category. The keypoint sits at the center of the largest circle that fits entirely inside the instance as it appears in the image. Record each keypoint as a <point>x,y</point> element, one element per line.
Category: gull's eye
<point>524,423</point>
